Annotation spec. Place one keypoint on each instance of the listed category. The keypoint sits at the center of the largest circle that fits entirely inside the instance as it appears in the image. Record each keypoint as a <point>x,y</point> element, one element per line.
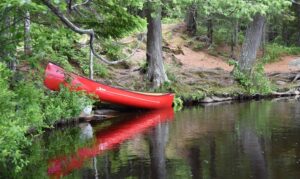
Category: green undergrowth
<point>27,104</point>
<point>63,47</point>
<point>274,51</point>
<point>254,83</point>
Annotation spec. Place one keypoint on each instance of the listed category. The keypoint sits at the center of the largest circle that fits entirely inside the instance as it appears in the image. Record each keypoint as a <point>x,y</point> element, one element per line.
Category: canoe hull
<point>56,76</point>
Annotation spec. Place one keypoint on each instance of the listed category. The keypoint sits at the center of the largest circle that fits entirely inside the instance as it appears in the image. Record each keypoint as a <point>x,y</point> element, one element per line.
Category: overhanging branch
<point>76,29</point>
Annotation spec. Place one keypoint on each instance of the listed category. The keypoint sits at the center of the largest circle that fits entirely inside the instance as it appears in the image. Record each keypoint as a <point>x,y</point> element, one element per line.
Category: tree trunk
<point>234,39</point>
<point>210,30</point>
<point>251,43</point>
<point>296,6</point>
<point>263,40</point>
<point>285,33</point>
<point>155,72</point>
<point>190,20</point>
<point>27,38</point>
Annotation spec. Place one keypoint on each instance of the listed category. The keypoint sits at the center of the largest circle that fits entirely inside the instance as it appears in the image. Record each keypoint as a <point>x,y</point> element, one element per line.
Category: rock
<point>297,92</point>
<point>220,99</point>
<point>280,83</point>
<point>105,112</point>
<point>295,63</point>
<point>216,99</point>
<point>207,100</point>
<point>87,111</point>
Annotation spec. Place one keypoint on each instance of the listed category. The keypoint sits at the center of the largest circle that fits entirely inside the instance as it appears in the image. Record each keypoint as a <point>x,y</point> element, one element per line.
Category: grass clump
<point>274,51</point>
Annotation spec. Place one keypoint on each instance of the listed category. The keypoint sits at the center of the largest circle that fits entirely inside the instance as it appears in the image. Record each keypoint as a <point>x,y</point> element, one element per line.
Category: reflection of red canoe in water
<point>108,139</point>
<point>54,76</point>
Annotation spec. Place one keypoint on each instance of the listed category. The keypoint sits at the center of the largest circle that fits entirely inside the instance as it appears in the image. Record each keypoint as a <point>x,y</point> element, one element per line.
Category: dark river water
<point>258,139</point>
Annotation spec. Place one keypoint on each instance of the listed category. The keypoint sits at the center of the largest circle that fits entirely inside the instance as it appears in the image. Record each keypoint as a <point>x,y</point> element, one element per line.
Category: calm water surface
<point>242,140</point>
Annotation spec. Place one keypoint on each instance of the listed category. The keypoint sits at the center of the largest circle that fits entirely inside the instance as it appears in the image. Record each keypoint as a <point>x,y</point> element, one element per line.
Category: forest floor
<point>193,71</point>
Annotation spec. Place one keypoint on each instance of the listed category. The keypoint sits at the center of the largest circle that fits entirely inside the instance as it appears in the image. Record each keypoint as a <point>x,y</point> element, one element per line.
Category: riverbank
<point>201,75</point>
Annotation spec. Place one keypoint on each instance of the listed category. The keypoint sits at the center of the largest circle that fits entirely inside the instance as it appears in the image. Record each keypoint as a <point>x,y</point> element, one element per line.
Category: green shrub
<point>254,83</point>
<point>65,103</point>
<point>27,105</point>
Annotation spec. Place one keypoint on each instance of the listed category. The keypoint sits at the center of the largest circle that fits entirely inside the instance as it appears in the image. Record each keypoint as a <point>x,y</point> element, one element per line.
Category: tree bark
<point>251,43</point>
<point>285,33</point>
<point>264,39</point>
<point>296,7</point>
<point>27,38</point>
<point>234,39</point>
<point>210,30</point>
<point>155,72</point>
<point>191,24</point>
<point>91,72</point>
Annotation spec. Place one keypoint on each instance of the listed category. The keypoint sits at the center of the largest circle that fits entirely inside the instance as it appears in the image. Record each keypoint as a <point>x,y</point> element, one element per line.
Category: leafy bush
<point>12,138</point>
<point>64,104</point>
<point>27,105</point>
<point>256,82</point>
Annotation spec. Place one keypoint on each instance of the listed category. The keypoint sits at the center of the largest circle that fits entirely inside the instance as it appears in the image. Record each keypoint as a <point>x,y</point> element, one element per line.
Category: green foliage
<point>62,47</point>
<point>112,49</point>
<point>195,96</point>
<point>27,105</point>
<point>256,82</point>
<point>56,45</point>
<point>274,51</point>
<point>115,19</point>
<point>243,9</point>
<point>12,138</point>
<point>168,20</point>
<point>177,104</point>
<point>65,103</point>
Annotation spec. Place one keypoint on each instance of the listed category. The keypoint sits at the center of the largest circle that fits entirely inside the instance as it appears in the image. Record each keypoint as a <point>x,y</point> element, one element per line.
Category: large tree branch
<point>76,29</point>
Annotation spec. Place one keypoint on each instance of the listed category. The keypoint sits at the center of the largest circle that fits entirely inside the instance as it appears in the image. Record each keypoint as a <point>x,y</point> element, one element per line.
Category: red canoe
<point>107,139</point>
<point>55,75</point>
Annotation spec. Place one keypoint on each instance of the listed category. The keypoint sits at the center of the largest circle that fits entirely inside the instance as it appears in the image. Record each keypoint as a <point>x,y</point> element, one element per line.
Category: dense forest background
<point>83,37</point>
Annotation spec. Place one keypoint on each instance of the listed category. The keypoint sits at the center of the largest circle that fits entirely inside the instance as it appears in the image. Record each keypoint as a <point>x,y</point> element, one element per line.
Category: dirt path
<point>200,59</point>
<point>286,64</point>
<point>192,59</point>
